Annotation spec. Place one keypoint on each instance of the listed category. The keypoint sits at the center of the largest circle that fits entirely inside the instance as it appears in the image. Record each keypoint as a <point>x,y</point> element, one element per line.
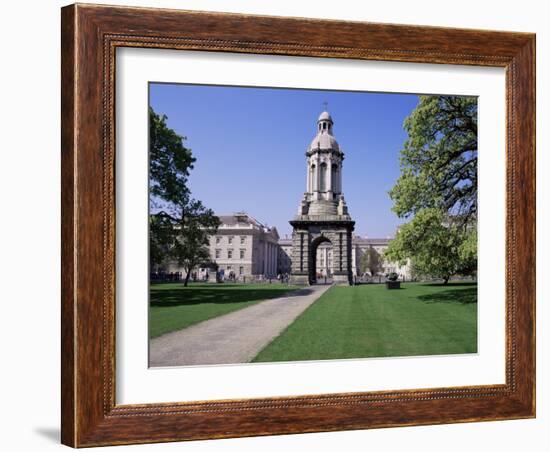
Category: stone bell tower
<point>323,214</point>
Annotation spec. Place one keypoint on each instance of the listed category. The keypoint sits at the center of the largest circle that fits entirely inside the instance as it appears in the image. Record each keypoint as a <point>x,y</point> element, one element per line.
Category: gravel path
<point>236,337</point>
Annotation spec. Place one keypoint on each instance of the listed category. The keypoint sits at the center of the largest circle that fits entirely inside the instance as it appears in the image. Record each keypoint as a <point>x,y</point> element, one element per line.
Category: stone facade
<point>362,245</point>
<point>244,247</point>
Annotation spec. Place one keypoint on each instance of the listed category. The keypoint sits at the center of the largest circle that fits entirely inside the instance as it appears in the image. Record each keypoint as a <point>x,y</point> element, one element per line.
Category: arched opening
<point>323,177</point>
<point>321,261</point>
<point>312,179</point>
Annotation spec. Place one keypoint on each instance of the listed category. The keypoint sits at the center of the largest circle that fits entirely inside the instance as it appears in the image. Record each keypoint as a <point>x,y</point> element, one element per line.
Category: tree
<point>437,188</point>
<point>191,245</point>
<point>169,165</point>
<point>437,248</point>
<point>439,159</point>
<point>180,226</point>
<point>370,261</point>
<point>160,238</point>
<point>468,252</point>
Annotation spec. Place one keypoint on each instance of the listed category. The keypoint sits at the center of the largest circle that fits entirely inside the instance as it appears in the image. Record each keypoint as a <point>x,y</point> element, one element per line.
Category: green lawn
<point>371,321</point>
<point>173,306</point>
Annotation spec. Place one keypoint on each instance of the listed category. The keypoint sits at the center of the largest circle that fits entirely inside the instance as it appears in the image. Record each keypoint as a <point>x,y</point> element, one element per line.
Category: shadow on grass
<point>219,295</point>
<point>451,284</point>
<point>462,296</point>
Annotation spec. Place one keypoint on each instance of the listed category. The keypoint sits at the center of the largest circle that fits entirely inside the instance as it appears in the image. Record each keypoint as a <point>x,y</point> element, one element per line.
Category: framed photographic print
<point>280,225</point>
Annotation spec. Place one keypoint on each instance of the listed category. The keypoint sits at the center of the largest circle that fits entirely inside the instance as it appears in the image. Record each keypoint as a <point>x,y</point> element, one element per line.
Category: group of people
<point>283,278</point>
<point>221,276</point>
<point>166,276</point>
<point>231,277</point>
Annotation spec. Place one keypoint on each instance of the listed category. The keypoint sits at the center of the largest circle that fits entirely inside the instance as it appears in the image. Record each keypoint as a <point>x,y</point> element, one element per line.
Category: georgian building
<point>245,246</point>
<point>242,246</point>
<point>362,245</point>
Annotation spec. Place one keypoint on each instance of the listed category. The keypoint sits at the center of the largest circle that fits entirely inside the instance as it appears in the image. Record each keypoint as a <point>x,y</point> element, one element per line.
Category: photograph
<point>291,224</point>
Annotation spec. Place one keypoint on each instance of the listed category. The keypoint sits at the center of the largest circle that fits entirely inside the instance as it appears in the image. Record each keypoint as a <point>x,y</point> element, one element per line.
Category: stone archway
<point>326,264</point>
<point>306,238</point>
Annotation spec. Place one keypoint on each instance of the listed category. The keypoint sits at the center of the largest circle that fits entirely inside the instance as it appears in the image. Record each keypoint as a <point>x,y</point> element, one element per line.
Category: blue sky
<point>250,145</point>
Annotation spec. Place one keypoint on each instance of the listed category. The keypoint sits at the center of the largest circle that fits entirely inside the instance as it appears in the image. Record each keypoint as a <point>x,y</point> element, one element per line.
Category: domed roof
<point>325,116</point>
<point>324,141</point>
<point>324,138</point>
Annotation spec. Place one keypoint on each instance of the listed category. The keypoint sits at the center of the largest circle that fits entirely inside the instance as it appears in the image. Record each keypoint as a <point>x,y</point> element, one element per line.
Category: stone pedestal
<point>393,284</point>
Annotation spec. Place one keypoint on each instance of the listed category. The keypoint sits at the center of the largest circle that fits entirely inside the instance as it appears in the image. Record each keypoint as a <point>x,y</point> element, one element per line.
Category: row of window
<point>241,269</point>
<point>218,254</point>
<point>230,239</point>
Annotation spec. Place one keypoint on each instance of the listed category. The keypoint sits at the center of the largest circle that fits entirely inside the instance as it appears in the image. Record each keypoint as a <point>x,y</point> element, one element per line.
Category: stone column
<point>271,252</point>
<point>275,259</point>
<point>300,255</point>
<point>330,188</point>
<point>273,270</point>
<point>318,179</point>
<point>341,256</point>
<point>266,261</point>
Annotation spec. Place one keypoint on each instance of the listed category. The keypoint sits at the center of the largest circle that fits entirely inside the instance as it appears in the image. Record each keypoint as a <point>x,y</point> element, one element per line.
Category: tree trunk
<point>187,278</point>
<point>446,280</point>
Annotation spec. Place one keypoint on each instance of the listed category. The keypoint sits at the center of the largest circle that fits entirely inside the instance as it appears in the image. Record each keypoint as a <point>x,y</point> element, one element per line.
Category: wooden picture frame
<point>90,36</point>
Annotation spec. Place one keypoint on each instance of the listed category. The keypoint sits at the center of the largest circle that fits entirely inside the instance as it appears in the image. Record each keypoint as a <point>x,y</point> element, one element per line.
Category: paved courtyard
<point>236,337</point>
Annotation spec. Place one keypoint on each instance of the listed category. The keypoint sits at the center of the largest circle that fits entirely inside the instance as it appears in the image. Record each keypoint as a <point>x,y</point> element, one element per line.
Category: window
<point>243,240</point>
<point>218,239</point>
<point>230,240</point>
<point>241,254</point>
<point>241,270</point>
<point>218,254</point>
<point>228,267</point>
<point>230,254</point>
